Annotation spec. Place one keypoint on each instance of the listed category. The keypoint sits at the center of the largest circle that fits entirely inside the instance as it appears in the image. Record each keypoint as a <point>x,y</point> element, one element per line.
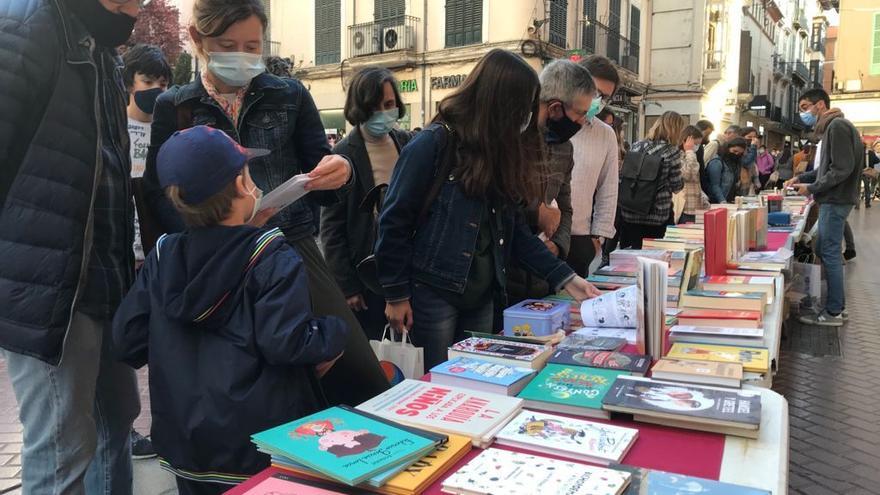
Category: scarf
<point>826,119</point>
<point>233,108</point>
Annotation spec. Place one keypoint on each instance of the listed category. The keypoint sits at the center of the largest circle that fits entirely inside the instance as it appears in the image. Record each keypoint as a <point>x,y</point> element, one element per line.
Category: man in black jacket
<point>834,184</point>
<point>66,230</point>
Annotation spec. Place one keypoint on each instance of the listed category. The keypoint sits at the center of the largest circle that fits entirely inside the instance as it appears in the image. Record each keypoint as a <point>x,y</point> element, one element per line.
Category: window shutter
<point>388,9</point>
<point>588,41</point>
<point>875,46</point>
<point>464,22</point>
<point>559,22</point>
<point>327,31</point>
<point>745,63</point>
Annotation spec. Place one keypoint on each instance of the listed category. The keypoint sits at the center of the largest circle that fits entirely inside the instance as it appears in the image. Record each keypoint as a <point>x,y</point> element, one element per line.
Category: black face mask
<point>733,157</point>
<point>108,29</point>
<point>146,100</point>
<point>561,130</point>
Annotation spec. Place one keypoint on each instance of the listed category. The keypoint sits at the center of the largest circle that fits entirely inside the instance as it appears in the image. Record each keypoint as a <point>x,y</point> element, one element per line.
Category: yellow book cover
<point>414,479</point>
<point>752,358</point>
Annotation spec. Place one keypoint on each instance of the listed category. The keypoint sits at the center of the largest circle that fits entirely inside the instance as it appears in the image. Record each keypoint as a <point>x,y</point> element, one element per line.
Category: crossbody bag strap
<point>441,170</point>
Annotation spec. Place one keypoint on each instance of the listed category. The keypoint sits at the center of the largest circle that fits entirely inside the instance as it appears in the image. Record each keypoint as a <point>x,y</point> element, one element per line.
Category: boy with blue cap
<point>221,313</point>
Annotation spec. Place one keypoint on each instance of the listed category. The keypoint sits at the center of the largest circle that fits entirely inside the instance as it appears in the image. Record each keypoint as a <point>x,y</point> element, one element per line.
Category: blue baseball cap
<point>201,161</point>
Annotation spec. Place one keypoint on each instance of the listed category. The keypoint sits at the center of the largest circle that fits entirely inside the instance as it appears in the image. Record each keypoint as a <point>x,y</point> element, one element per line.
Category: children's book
<point>570,389</point>
<point>715,299</point>
<point>752,358</point>
<point>566,437</point>
<point>344,444</point>
<point>699,372</point>
<point>502,351</point>
<point>637,364</point>
<point>451,410</point>
<point>274,481</point>
<point>627,334</point>
<point>416,477</point>
<point>581,342</point>
<point>686,406</point>
<point>482,375</point>
<point>661,483</point>
<point>497,471</point>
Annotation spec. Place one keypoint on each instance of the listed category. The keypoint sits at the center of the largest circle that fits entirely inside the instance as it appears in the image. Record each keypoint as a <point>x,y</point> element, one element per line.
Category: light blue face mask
<point>236,68</point>
<point>808,118</point>
<point>595,107</point>
<point>381,123</point>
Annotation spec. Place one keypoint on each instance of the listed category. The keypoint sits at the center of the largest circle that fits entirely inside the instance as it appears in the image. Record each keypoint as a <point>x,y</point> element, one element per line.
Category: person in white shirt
<point>595,174</point>
<point>146,75</point>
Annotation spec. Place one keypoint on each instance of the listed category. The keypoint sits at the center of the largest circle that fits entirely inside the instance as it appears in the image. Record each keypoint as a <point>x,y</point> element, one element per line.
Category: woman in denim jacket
<point>444,274</point>
<point>259,110</point>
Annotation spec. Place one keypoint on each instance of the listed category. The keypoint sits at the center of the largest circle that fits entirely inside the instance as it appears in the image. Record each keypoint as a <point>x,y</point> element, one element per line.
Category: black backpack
<point>638,184</point>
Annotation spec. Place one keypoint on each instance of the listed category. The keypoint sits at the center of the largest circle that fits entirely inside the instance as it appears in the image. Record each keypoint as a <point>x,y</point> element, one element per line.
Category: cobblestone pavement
<point>829,377</point>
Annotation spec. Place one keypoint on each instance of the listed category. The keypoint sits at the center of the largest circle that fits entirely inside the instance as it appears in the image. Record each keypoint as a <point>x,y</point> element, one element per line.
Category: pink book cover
<point>274,481</point>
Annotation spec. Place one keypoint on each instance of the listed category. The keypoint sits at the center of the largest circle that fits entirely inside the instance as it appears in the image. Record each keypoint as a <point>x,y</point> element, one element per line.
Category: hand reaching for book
<point>580,289</point>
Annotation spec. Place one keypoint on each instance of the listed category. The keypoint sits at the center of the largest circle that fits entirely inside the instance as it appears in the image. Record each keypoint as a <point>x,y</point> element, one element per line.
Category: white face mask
<point>236,68</point>
<point>258,198</point>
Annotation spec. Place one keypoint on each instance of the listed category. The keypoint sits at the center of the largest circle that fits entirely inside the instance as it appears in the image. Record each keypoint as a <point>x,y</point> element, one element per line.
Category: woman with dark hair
<point>348,230</point>
<point>260,110</point>
<point>453,216</point>
<point>723,170</point>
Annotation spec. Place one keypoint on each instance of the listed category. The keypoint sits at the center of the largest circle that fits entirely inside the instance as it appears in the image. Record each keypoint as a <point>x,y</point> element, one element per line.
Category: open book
<point>639,307</point>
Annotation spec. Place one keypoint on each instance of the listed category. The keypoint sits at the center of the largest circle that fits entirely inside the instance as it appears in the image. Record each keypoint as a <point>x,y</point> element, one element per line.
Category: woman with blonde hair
<point>662,140</point>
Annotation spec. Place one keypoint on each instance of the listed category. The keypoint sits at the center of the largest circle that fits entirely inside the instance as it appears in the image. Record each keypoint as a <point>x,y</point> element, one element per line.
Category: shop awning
<point>759,103</point>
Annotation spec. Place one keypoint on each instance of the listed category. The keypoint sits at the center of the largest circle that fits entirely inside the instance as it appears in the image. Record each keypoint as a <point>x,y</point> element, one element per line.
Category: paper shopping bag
<point>808,289</point>
<point>399,359</point>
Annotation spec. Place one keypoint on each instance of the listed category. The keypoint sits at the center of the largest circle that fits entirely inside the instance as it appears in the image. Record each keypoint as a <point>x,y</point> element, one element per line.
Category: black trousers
<point>189,487</point>
<point>372,319</point>
<point>631,234</point>
<point>357,375</point>
<point>581,253</point>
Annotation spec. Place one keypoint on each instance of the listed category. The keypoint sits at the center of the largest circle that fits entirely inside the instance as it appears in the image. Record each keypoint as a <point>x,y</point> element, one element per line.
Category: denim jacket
<point>440,251</point>
<point>278,114</point>
<point>722,177</point>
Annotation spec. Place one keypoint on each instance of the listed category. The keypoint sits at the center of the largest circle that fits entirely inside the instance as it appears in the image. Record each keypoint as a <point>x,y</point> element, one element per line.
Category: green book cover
<point>571,385</point>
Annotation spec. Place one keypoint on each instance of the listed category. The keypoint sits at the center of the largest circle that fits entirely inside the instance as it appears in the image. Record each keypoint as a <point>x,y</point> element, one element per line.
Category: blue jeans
<point>438,324</point>
<point>832,221</point>
<point>77,416</point>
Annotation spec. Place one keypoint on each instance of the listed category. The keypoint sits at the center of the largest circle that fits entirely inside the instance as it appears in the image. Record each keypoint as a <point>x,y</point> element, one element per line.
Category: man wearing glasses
<point>594,177</point>
<point>66,224</point>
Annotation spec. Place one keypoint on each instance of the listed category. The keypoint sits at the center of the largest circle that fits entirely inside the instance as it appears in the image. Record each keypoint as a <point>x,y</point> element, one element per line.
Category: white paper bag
<point>408,359</point>
<point>808,289</point>
<point>678,201</point>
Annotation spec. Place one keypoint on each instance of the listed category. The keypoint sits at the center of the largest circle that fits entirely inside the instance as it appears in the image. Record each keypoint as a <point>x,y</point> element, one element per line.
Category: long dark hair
<point>366,91</point>
<point>487,113</point>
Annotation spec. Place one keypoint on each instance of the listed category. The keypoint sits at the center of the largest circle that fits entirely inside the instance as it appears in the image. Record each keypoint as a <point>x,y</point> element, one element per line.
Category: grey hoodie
<point>836,177</point>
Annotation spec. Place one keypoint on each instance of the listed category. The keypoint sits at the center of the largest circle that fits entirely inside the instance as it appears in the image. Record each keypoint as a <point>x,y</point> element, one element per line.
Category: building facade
<point>855,82</point>
<point>432,45</point>
<point>740,62</point>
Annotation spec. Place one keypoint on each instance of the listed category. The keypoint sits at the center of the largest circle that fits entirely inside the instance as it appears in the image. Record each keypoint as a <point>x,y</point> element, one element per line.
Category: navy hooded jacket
<point>223,317</point>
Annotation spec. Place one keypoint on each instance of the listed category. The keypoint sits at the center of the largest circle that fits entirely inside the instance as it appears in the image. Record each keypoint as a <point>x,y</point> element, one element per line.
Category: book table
<point>758,463</point>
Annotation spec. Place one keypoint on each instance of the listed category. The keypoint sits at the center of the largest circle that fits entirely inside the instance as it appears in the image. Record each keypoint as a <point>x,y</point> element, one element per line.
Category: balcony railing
<point>780,67</point>
<point>271,48</point>
<point>383,36</point>
<point>599,39</point>
<point>801,71</point>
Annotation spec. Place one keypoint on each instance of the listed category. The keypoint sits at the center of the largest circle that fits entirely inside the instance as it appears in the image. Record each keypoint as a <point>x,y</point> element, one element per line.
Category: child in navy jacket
<point>221,313</point>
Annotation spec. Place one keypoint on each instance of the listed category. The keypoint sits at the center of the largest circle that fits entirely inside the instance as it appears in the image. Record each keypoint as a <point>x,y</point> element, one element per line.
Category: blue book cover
<point>483,371</point>
<point>343,444</point>
<point>660,483</point>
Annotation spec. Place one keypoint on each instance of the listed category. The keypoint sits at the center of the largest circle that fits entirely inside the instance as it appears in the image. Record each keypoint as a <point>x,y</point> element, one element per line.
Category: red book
<point>715,241</point>
<point>720,318</point>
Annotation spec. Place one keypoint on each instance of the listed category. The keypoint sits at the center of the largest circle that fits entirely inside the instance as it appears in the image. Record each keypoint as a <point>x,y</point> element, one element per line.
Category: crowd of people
<point>134,232</point>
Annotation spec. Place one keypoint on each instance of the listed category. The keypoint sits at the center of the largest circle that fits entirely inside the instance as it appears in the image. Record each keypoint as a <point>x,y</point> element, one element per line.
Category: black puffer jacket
<point>49,164</point>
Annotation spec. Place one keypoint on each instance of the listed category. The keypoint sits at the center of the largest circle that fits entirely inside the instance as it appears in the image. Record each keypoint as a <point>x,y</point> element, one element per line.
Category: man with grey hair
<point>711,149</point>
<point>567,91</point>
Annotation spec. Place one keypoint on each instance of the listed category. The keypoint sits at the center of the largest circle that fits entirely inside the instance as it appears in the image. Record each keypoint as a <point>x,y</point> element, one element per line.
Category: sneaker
<point>141,446</point>
<point>849,255</point>
<point>823,319</point>
<point>844,315</point>
<point>867,205</point>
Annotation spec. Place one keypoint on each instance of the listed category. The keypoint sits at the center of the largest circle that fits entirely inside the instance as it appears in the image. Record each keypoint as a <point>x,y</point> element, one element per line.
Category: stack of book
<point>721,318</point>
<point>695,407</point>
<point>413,480</point>
<point>451,410</point>
<point>690,231</point>
<point>567,437</point>
<point>496,471</point>
<point>699,372</point>
<point>485,376</point>
<point>637,364</point>
<point>754,359</point>
<point>718,299</point>
<point>747,337</point>
<point>346,445</point>
<point>766,285</point>
<point>574,390</point>
<point>508,352</point>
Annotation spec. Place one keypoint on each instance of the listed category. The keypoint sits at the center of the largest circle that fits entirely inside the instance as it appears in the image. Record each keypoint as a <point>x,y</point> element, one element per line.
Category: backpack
<point>637,187</point>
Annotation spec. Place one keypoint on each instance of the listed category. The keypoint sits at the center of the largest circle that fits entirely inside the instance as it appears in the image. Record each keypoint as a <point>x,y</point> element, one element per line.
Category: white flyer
<point>285,194</point>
